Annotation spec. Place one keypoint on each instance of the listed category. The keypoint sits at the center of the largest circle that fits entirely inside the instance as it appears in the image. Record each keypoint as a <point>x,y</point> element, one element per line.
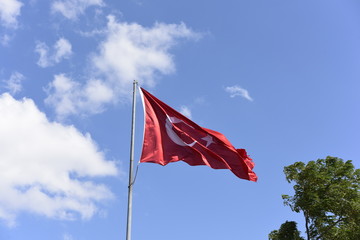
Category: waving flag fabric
<point>170,137</point>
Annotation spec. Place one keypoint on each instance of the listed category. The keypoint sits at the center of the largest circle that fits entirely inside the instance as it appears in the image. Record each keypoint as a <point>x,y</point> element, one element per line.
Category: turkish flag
<point>171,137</point>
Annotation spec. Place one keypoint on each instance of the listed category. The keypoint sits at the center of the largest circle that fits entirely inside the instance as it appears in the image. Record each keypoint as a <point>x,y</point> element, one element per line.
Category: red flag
<point>170,137</point>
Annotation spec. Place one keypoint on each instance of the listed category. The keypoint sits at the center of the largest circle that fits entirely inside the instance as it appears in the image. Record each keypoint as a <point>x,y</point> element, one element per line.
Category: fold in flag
<point>171,137</point>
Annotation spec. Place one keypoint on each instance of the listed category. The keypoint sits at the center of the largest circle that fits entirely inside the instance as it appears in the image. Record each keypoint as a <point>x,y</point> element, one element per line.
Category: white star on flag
<point>208,139</point>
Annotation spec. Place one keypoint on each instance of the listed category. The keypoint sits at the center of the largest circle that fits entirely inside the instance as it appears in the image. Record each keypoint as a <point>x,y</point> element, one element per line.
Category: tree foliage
<point>287,231</point>
<point>327,193</point>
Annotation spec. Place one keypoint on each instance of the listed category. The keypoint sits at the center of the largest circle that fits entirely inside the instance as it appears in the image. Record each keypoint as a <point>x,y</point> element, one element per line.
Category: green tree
<point>287,231</point>
<point>327,193</point>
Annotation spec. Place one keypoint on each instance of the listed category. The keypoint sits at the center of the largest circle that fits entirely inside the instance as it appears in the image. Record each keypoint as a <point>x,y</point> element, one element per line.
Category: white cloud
<point>71,9</point>
<point>45,167</point>
<point>186,111</point>
<point>67,236</point>
<point>129,52</point>
<point>5,40</point>
<point>9,11</point>
<point>62,49</point>
<point>70,97</point>
<point>133,52</point>
<point>13,84</point>
<point>42,49</point>
<point>238,91</point>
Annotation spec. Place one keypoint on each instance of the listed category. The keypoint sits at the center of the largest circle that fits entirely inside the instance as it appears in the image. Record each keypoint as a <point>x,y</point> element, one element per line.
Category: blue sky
<point>278,78</point>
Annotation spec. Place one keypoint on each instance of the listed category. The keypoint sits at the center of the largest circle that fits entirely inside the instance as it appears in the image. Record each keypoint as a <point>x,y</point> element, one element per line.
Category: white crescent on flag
<point>172,135</point>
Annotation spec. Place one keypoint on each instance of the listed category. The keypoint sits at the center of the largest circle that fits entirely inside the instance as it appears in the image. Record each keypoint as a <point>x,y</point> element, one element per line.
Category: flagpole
<point>129,207</point>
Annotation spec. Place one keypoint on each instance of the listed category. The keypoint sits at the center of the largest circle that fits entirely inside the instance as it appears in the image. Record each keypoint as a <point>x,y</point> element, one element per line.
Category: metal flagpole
<point>129,208</point>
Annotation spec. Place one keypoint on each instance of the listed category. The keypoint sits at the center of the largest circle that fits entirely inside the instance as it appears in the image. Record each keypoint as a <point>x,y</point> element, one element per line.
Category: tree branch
<point>329,228</point>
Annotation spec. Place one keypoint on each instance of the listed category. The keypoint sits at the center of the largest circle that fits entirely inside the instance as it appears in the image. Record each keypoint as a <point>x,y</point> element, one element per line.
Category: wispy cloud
<point>71,9</point>
<point>238,91</point>
<point>62,49</point>
<point>186,111</point>
<point>14,83</point>
<point>128,52</point>
<point>9,12</point>
<point>5,40</point>
<point>46,167</point>
<point>67,236</point>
